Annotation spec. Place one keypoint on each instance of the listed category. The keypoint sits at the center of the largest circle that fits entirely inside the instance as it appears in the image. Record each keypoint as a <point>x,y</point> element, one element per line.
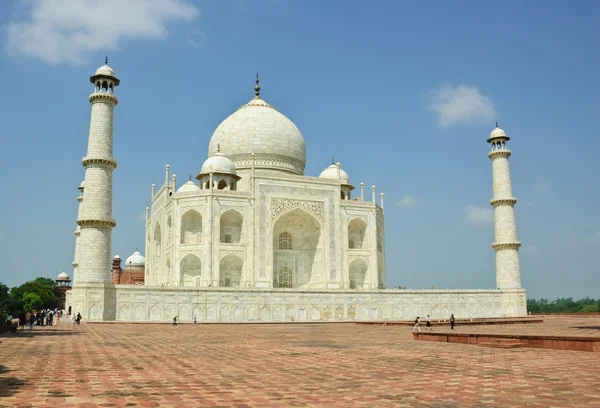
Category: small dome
<point>497,133</point>
<point>105,70</point>
<point>218,163</point>
<point>82,185</point>
<point>62,276</point>
<point>331,172</point>
<point>116,257</point>
<point>189,186</point>
<point>136,259</point>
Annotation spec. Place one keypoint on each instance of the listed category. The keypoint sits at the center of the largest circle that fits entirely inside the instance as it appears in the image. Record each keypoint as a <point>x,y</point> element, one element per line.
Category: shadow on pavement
<point>587,327</point>
<point>41,331</point>
<point>9,385</point>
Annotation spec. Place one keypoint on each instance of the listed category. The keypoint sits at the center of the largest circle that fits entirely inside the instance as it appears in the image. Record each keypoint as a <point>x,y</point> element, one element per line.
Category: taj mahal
<point>253,239</point>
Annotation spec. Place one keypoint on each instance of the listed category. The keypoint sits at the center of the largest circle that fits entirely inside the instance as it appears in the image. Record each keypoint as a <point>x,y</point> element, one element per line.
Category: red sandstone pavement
<point>552,326</point>
<point>291,365</point>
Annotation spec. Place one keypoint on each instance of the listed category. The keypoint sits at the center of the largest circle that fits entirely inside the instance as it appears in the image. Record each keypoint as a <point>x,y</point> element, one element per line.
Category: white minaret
<point>78,230</point>
<point>95,218</point>
<point>506,245</point>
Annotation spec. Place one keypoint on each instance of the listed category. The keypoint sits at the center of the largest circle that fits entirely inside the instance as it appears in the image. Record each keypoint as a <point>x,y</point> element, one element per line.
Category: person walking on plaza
<point>452,322</point>
<point>428,323</point>
<point>195,318</point>
<point>417,327</point>
<point>175,321</point>
<point>78,318</point>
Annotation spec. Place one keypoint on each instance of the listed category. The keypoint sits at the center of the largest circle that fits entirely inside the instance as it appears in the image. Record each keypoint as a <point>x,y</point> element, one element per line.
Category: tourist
<point>417,327</point>
<point>428,323</point>
<point>452,322</point>
<point>175,321</point>
<point>74,319</point>
<point>195,319</point>
<point>78,318</point>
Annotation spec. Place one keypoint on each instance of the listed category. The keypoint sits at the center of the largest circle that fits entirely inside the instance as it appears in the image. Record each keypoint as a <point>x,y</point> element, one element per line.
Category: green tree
<point>5,302</point>
<point>42,287</point>
<point>31,302</point>
<point>590,308</point>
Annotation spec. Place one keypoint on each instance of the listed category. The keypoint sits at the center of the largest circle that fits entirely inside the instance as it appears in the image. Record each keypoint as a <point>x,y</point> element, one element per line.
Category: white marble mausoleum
<point>254,239</point>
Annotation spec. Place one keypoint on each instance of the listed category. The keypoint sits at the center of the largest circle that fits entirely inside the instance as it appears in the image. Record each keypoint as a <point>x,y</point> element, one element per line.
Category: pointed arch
<point>357,229</point>
<point>297,250</point>
<point>157,239</point>
<point>190,269</point>
<point>358,274</point>
<point>230,269</point>
<point>191,228</point>
<point>285,241</point>
<point>231,231</point>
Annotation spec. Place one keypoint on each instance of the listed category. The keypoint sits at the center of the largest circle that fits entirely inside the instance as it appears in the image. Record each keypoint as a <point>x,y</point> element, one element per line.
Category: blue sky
<point>404,94</point>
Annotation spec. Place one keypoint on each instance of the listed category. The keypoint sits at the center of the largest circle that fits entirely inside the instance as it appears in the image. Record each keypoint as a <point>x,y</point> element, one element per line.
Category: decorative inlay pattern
<point>240,254</point>
<point>269,160</point>
<point>352,258</point>
<point>508,245</point>
<point>281,205</point>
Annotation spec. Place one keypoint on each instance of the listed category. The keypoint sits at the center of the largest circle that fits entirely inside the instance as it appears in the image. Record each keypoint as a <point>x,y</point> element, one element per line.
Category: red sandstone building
<point>133,274</point>
<point>63,284</point>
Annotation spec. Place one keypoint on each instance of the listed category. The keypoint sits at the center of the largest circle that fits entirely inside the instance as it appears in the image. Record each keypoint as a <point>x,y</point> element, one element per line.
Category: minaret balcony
<point>506,245</point>
<point>96,223</point>
<point>503,201</point>
<point>499,153</point>
<point>103,96</point>
<point>108,161</point>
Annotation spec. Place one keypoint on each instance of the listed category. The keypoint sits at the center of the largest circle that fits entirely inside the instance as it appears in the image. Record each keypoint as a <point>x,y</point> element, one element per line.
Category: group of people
<point>48,317</point>
<point>417,326</point>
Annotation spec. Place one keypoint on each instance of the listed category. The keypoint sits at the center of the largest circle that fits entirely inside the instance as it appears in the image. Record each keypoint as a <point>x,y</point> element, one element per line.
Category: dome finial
<point>496,123</point>
<point>190,176</point>
<point>257,88</point>
<point>332,160</point>
<point>106,60</point>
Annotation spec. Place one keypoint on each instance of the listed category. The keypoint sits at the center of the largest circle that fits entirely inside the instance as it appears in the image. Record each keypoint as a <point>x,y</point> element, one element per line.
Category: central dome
<point>259,128</point>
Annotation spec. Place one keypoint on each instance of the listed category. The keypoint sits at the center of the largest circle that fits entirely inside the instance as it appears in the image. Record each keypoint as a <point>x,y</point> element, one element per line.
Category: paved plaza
<point>291,365</point>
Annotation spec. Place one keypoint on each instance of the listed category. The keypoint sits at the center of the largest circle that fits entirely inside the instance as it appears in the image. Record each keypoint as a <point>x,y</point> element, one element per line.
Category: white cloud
<point>407,201</point>
<point>462,103</point>
<point>60,31</point>
<point>542,187</point>
<point>479,215</point>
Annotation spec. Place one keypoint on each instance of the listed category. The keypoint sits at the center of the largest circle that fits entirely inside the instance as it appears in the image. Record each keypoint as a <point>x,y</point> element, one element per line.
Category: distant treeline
<point>563,305</point>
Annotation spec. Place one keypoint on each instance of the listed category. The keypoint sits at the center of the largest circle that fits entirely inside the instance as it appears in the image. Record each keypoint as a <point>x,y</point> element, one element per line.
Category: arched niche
<point>357,234</point>
<point>297,245</point>
<point>230,269</point>
<point>231,230</point>
<point>190,270</point>
<point>358,274</point>
<point>191,228</point>
<point>157,239</point>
